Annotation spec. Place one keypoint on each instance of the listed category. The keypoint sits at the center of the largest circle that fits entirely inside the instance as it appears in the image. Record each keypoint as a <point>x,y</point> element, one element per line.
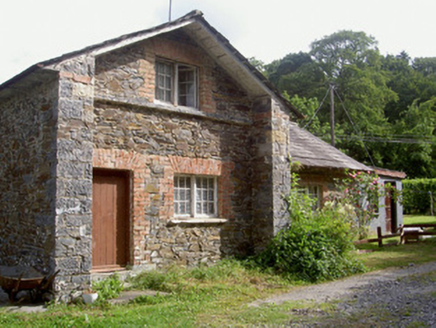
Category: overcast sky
<point>36,30</point>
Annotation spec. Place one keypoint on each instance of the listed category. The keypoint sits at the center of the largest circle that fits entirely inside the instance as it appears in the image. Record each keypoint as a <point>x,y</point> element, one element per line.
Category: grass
<point>400,255</point>
<point>215,296</point>
<point>419,219</point>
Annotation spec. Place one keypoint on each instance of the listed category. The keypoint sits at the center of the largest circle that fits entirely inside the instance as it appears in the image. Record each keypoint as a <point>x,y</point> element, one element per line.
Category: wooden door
<point>388,210</point>
<point>110,219</point>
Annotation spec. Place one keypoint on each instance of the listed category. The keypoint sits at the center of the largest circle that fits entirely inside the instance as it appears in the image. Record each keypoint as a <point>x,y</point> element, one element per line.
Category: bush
<point>312,250</point>
<point>317,244</point>
<point>416,195</point>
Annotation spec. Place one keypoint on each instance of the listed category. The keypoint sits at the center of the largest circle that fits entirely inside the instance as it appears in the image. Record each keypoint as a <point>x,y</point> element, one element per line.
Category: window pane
<point>187,86</point>
<point>163,83</point>
<point>182,196</point>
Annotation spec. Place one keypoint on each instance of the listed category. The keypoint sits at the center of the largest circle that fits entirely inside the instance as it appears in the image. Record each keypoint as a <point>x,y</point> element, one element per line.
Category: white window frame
<point>193,197</point>
<point>175,83</point>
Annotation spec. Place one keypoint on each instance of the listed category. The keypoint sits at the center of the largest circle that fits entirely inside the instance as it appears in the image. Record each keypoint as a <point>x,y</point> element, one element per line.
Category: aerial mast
<point>169,11</point>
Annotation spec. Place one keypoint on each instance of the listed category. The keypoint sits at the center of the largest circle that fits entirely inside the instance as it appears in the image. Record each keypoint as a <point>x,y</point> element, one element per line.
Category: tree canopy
<point>385,106</point>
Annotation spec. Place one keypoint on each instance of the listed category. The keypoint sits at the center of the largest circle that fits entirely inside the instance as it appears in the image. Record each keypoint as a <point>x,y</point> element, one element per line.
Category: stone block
<point>70,109</point>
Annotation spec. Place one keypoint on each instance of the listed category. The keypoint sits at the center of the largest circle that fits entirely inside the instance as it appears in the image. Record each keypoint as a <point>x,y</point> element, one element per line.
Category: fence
<point>406,232</point>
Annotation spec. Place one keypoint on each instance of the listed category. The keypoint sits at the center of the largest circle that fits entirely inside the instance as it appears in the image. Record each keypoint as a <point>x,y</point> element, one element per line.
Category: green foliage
<point>389,99</point>
<point>155,280</point>
<point>343,49</point>
<point>313,249</point>
<point>218,303</point>
<point>108,288</point>
<point>362,191</point>
<point>416,195</point>
<point>317,245</point>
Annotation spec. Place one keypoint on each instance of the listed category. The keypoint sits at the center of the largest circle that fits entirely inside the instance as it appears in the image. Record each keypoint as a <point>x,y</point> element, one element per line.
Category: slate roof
<point>390,173</point>
<point>313,152</point>
<point>207,36</point>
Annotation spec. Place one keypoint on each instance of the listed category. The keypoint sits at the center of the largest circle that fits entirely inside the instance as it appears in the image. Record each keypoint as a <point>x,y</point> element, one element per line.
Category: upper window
<point>195,196</point>
<point>176,83</point>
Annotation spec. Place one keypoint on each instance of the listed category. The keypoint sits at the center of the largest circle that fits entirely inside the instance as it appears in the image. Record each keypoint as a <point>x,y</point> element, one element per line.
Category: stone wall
<point>73,243</point>
<point>165,144</point>
<point>27,176</point>
<point>271,178</point>
<point>281,175</point>
<point>128,74</point>
<point>213,140</point>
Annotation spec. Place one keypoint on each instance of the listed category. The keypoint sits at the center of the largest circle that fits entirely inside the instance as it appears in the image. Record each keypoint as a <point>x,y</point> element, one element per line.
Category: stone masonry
<point>97,111</point>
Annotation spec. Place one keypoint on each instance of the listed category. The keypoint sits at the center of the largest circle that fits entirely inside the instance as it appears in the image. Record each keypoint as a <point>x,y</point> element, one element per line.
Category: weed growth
<point>108,288</point>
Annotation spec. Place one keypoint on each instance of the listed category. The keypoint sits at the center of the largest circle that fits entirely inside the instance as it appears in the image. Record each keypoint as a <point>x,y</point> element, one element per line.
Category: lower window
<point>195,196</point>
<point>313,192</point>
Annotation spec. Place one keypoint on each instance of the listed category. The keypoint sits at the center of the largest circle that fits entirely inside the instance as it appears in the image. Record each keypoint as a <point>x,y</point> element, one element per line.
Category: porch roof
<point>311,151</point>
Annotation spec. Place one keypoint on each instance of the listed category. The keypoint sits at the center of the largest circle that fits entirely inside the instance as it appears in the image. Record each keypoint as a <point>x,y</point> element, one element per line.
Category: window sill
<point>196,221</point>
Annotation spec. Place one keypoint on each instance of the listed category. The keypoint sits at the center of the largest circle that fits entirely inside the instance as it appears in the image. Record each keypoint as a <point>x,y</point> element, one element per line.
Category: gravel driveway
<point>404,297</point>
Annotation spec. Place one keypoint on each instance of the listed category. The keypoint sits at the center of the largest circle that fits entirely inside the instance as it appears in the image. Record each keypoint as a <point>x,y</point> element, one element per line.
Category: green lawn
<point>211,297</point>
<point>418,219</point>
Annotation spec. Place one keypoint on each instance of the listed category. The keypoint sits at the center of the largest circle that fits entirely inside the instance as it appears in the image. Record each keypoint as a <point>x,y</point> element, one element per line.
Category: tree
<point>335,52</point>
<point>297,74</point>
<point>416,158</point>
<point>351,61</point>
<point>389,99</point>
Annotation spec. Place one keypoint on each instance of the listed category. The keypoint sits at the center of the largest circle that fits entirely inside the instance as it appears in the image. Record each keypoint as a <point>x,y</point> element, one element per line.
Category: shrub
<point>313,249</point>
<point>317,245</point>
<point>416,195</point>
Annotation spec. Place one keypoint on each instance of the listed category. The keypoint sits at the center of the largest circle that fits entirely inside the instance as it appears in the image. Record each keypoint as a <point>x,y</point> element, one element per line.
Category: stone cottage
<point>157,147</point>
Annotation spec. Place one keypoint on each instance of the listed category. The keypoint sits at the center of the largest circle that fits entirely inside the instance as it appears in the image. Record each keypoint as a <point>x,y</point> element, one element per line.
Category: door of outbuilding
<point>110,219</point>
<point>390,208</point>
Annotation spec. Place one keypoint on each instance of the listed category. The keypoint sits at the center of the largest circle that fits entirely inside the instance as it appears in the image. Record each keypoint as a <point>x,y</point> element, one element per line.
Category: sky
<point>32,31</point>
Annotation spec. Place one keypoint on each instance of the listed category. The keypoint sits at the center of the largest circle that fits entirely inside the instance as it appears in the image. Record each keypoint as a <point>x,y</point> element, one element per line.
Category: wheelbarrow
<point>14,279</point>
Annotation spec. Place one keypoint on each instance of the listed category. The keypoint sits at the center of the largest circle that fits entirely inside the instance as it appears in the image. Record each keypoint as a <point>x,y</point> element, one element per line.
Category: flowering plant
<point>362,190</point>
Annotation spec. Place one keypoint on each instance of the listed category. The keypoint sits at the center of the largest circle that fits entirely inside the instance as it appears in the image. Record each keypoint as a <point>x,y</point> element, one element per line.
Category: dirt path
<point>340,288</point>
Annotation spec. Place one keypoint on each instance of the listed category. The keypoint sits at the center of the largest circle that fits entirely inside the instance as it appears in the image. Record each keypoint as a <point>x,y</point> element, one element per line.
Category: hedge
<point>416,195</point>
